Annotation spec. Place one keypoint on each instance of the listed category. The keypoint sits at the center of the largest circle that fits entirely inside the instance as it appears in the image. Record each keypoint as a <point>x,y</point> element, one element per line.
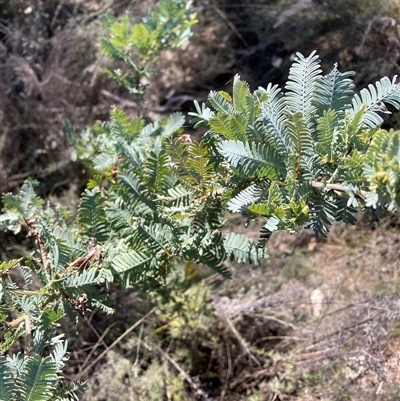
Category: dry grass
<point>328,308</point>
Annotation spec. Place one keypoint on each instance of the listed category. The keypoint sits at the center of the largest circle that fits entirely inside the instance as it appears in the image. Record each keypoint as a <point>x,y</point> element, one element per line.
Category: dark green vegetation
<point>153,223</point>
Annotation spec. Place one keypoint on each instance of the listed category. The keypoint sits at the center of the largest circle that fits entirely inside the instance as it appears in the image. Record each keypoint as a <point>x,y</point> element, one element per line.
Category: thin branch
<point>229,371</point>
<point>280,321</point>
<point>193,385</point>
<point>100,340</point>
<point>28,331</point>
<point>124,334</point>
<point>334,175</point>
<point>28,336</point>
<point>136,363</point>
<point>231,25</point>
<point>337,187</point>
<point>242,342</point>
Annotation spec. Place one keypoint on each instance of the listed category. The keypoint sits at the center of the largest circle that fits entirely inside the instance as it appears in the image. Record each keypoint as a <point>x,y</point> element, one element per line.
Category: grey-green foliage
<point>310,154</point>
<point>37,377</point>
<point>137,46</point>
<point>160,206</point>
<point>119,234</point>
<point>161,201</point>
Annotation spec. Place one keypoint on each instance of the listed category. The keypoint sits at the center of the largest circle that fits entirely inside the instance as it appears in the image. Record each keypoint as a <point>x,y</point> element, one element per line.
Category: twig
<point>40,242</point>
<point>334,175</point>
<point>229,370</point>
<point>274,338</point>
<point>337,187</point>
<point>28,331</point>
<point>326,337</point>
<point>364,38</point>
<point>308,355</point>
<point>280,321</point>
<point>231,25</point>
<point>242,342</point>
<point>100,340</point>
<point>125,333</point>
<point>378,391</point>
<point>119,99</point>
<point>135,364</point>
<point>192,384</point>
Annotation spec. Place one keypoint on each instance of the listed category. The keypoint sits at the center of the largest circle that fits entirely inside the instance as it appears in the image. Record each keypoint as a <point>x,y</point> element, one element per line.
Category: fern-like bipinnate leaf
<point>375,97</point>
<point>121,125</point>
<point>344,212</point>
<point>137,194</point>
<point>327,131</point>
<point>242,99</point>
<point>68,236</point>
<point>378,143</point>
<point>273,115</point>
<point>301,141</point>
<point>38,379</point>
<point>131,266</point>
<point>200,168</point>
<point>92,215</point>
<point>25,204</point>
<point>245,198</point>
<point>382,170</point>
<point>104,161</point>
<point>214,254</point>
<point>88,277</point>
<point>157,172</point>
<point>310,167</point>
<point>352,169</point>
<point>322,213</point>
<point>201,116</point>
<point>220,123</point>
<point>133,156</point>
<point>220,103</point>
<point>228,121</point>
<point>300,88</point>
<point>178,197</point>
<point>156,237</point>
<point>121,219</point>
<point>261,161</point>
<point>7,386</point>
<point>334,92</point>
<point>241,249</point>
<point>174,124</point>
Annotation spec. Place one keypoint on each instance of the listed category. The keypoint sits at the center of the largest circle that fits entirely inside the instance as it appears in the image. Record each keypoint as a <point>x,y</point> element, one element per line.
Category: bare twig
<point>275,338</point>
<point>124,334</point>
<point>337,187</point>
<point>176,365</point>
<point>231,25</point>
<point>228,372</point>
<point>135,364</point>
<point>242,342</point>
<point>119,99</point>
<point>99,341</point>
<point>334,175</point>
<point>275,319</point>
<point>28,331</point>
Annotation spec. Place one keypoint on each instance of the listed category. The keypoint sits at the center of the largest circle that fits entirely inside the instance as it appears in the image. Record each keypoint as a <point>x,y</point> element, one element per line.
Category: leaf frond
<point>334,91</point>
<point>242,250</point>
<point>300,87</point>
<point>375,97</point>
<point>273,115</point>
<point>92,216</point>
<point>255,160</point>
